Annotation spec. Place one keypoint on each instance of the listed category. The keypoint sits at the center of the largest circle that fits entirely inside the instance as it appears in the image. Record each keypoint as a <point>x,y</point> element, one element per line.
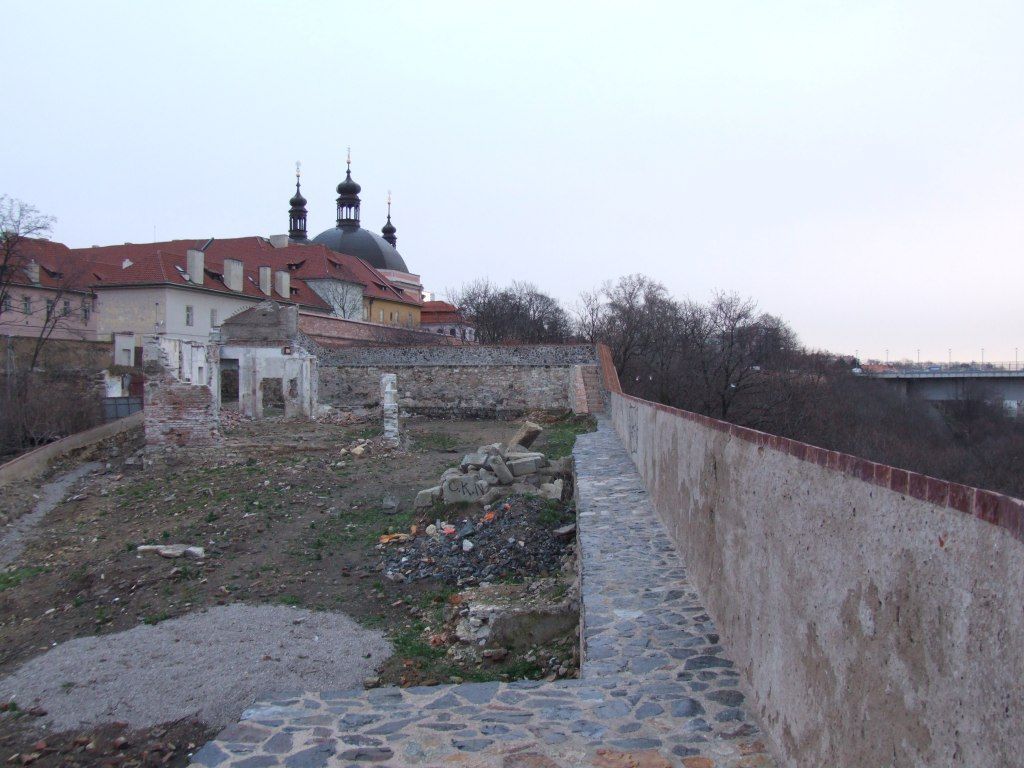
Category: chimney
<point>265,280</point>
<point>194,266</point>
<point>233,275</point>
<point>283,283</point>
<point>32,272</point>
<point>279,241</point>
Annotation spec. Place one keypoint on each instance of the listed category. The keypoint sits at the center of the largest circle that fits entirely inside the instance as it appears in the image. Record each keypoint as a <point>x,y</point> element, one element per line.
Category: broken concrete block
<point>494,494</point>
<point>427,497</point>
<point>520,467</point>
<point>565,531</point>
<point>524,489</point>
<point>465,488</point>
<point>552,490</point>
<point>498,466</point>
<point>451,472</point>
<point>474,460</point>
<point>173,550</point>
<point>526,434</point>
<point>488,477</point>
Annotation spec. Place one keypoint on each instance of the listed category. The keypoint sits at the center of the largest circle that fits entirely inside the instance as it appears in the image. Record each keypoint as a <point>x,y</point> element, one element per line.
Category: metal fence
<point>118,407</point>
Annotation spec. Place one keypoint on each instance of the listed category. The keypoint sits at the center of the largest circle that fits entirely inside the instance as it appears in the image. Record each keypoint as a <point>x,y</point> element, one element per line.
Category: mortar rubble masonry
<point>389,403</point>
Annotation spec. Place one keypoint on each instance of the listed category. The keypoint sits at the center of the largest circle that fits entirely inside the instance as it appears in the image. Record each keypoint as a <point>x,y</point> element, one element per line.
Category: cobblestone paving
<point>657,688</point>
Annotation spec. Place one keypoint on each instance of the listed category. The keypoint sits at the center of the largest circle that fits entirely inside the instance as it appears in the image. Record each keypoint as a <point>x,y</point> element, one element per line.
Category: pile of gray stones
<point>499,470</point>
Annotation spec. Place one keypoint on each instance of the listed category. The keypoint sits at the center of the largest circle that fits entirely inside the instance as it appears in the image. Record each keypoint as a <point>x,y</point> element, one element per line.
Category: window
<point>382,315</point>
<point>189,315</point>
<point>213,318</point>
<point>26,305</point>
<point>451,331</point>
<point>409,321</point>
<point>49,308</point>
<point>6,305</point>
<point>86,310</point>
<point>65,310</point>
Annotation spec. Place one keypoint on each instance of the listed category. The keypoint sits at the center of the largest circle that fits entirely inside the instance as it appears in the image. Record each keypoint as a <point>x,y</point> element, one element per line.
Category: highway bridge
<point>953,381</point>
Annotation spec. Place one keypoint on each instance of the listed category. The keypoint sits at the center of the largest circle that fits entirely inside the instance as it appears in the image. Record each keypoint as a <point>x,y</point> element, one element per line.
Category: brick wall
<point>178,414</point>
<point>471,381</point>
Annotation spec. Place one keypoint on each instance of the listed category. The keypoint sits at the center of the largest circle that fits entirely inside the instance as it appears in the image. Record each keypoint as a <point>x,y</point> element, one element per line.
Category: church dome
<point>358,242</point>
<point>348,186</point>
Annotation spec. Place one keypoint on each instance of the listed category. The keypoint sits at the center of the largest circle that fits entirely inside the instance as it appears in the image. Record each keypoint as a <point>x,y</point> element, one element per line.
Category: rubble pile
<point>500,470</point>
<point>505,519</point>
<point>521,538</point>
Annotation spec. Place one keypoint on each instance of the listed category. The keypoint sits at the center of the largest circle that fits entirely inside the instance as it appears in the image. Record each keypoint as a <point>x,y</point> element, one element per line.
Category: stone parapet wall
<point>469,381</point>
<point>446,391</point>
<point>874,613</point>
<point>527,355</point>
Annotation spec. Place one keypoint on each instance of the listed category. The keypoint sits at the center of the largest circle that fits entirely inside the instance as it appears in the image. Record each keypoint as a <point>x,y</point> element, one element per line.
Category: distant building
<point>48,282</point>
<point>444,318</point>
<point>348,236</point>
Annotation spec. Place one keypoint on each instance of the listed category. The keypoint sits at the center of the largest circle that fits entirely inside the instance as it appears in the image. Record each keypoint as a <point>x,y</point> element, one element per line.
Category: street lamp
<point>982,355</point>
<point>887,357</point>
<point>950,351</point>
<point>918,356</point>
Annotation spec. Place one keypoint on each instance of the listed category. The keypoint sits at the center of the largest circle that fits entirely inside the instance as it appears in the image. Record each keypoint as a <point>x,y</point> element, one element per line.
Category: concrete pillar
<point>389,403</point>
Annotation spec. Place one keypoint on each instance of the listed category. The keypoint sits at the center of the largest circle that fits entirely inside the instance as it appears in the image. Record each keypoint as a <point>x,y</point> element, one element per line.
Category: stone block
<point>521,467</point>
<point>526,434</point>
<point>474,460</point>
<point>552,490</point>
<point>427,497</point>
<point>500,469</point>
<point>465,488</point>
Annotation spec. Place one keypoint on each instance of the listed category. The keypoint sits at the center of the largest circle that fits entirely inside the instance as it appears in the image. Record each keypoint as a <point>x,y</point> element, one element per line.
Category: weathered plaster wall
<point>876,614</point>
<point>500,381</point>
<point>339,332</point>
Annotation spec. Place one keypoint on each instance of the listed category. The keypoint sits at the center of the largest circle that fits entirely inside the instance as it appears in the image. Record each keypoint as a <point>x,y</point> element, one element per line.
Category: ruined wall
<point>335,332</point>
<point>497,381</point>
<point>874,613</point>
<point>178,414</point>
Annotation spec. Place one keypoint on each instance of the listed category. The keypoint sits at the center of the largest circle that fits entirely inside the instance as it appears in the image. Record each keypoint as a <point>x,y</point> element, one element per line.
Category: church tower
<point>348,199</point>
<point>297,212</point>
<point>388,230</point>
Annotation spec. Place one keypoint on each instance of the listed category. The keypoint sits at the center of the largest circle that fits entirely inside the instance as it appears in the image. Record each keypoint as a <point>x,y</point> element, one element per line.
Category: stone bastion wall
<point>876,614</point>
<point>471,381</point>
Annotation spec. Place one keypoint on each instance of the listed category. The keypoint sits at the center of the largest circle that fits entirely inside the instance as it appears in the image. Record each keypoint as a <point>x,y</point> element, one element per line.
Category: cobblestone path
<point>657,688</point>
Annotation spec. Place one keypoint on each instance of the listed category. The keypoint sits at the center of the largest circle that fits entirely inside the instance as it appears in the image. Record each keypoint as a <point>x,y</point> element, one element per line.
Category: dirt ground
<point>284,518</point>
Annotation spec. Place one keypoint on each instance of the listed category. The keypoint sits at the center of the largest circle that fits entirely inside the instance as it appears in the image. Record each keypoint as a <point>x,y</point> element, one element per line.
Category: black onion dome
<point>388,228</point>
<point>298,201</point>
<point>349,187</point>
<point>358,242</point>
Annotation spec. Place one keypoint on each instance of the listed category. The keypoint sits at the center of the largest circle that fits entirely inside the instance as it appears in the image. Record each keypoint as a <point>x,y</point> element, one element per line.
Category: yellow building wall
<point>385,312</point>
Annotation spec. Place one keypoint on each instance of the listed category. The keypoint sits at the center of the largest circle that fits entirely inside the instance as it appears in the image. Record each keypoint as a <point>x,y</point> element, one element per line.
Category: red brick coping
<point>996,508</point>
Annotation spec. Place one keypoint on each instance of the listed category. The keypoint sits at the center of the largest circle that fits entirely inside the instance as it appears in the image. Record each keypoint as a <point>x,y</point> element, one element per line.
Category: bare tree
<point>19,222</point>
<point>520,312</point>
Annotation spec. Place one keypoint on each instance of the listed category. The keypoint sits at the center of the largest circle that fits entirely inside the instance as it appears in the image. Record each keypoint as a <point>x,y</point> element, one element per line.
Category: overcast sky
<point>856,167</point>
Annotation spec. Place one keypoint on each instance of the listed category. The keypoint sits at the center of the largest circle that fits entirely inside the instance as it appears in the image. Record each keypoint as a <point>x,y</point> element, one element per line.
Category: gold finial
<point>298,168</point>
<point>348,158</point>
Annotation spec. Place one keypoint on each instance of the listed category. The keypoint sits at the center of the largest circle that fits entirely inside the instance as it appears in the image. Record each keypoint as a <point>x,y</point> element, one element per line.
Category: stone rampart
<point>470,381</point>
<point>339,332</point>
<point>875,613</point>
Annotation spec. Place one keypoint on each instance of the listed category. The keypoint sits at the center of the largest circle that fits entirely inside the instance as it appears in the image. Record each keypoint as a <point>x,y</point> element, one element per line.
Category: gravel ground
<point>14,536</point>
<point>209,665</point>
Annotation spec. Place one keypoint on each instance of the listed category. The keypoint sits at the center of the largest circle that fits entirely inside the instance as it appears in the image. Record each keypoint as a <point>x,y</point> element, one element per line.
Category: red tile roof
<point>166,263</point>
<point>440,312</point>
<point>57,266</point>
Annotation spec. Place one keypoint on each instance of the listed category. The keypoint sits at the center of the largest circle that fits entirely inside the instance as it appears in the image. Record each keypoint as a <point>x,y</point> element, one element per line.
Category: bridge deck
<point>657,687</point>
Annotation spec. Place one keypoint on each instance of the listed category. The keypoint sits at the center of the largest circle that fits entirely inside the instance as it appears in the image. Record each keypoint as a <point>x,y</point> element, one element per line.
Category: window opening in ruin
<point>273,397</point>
<point>189,315</point>
<point>293,388</point>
